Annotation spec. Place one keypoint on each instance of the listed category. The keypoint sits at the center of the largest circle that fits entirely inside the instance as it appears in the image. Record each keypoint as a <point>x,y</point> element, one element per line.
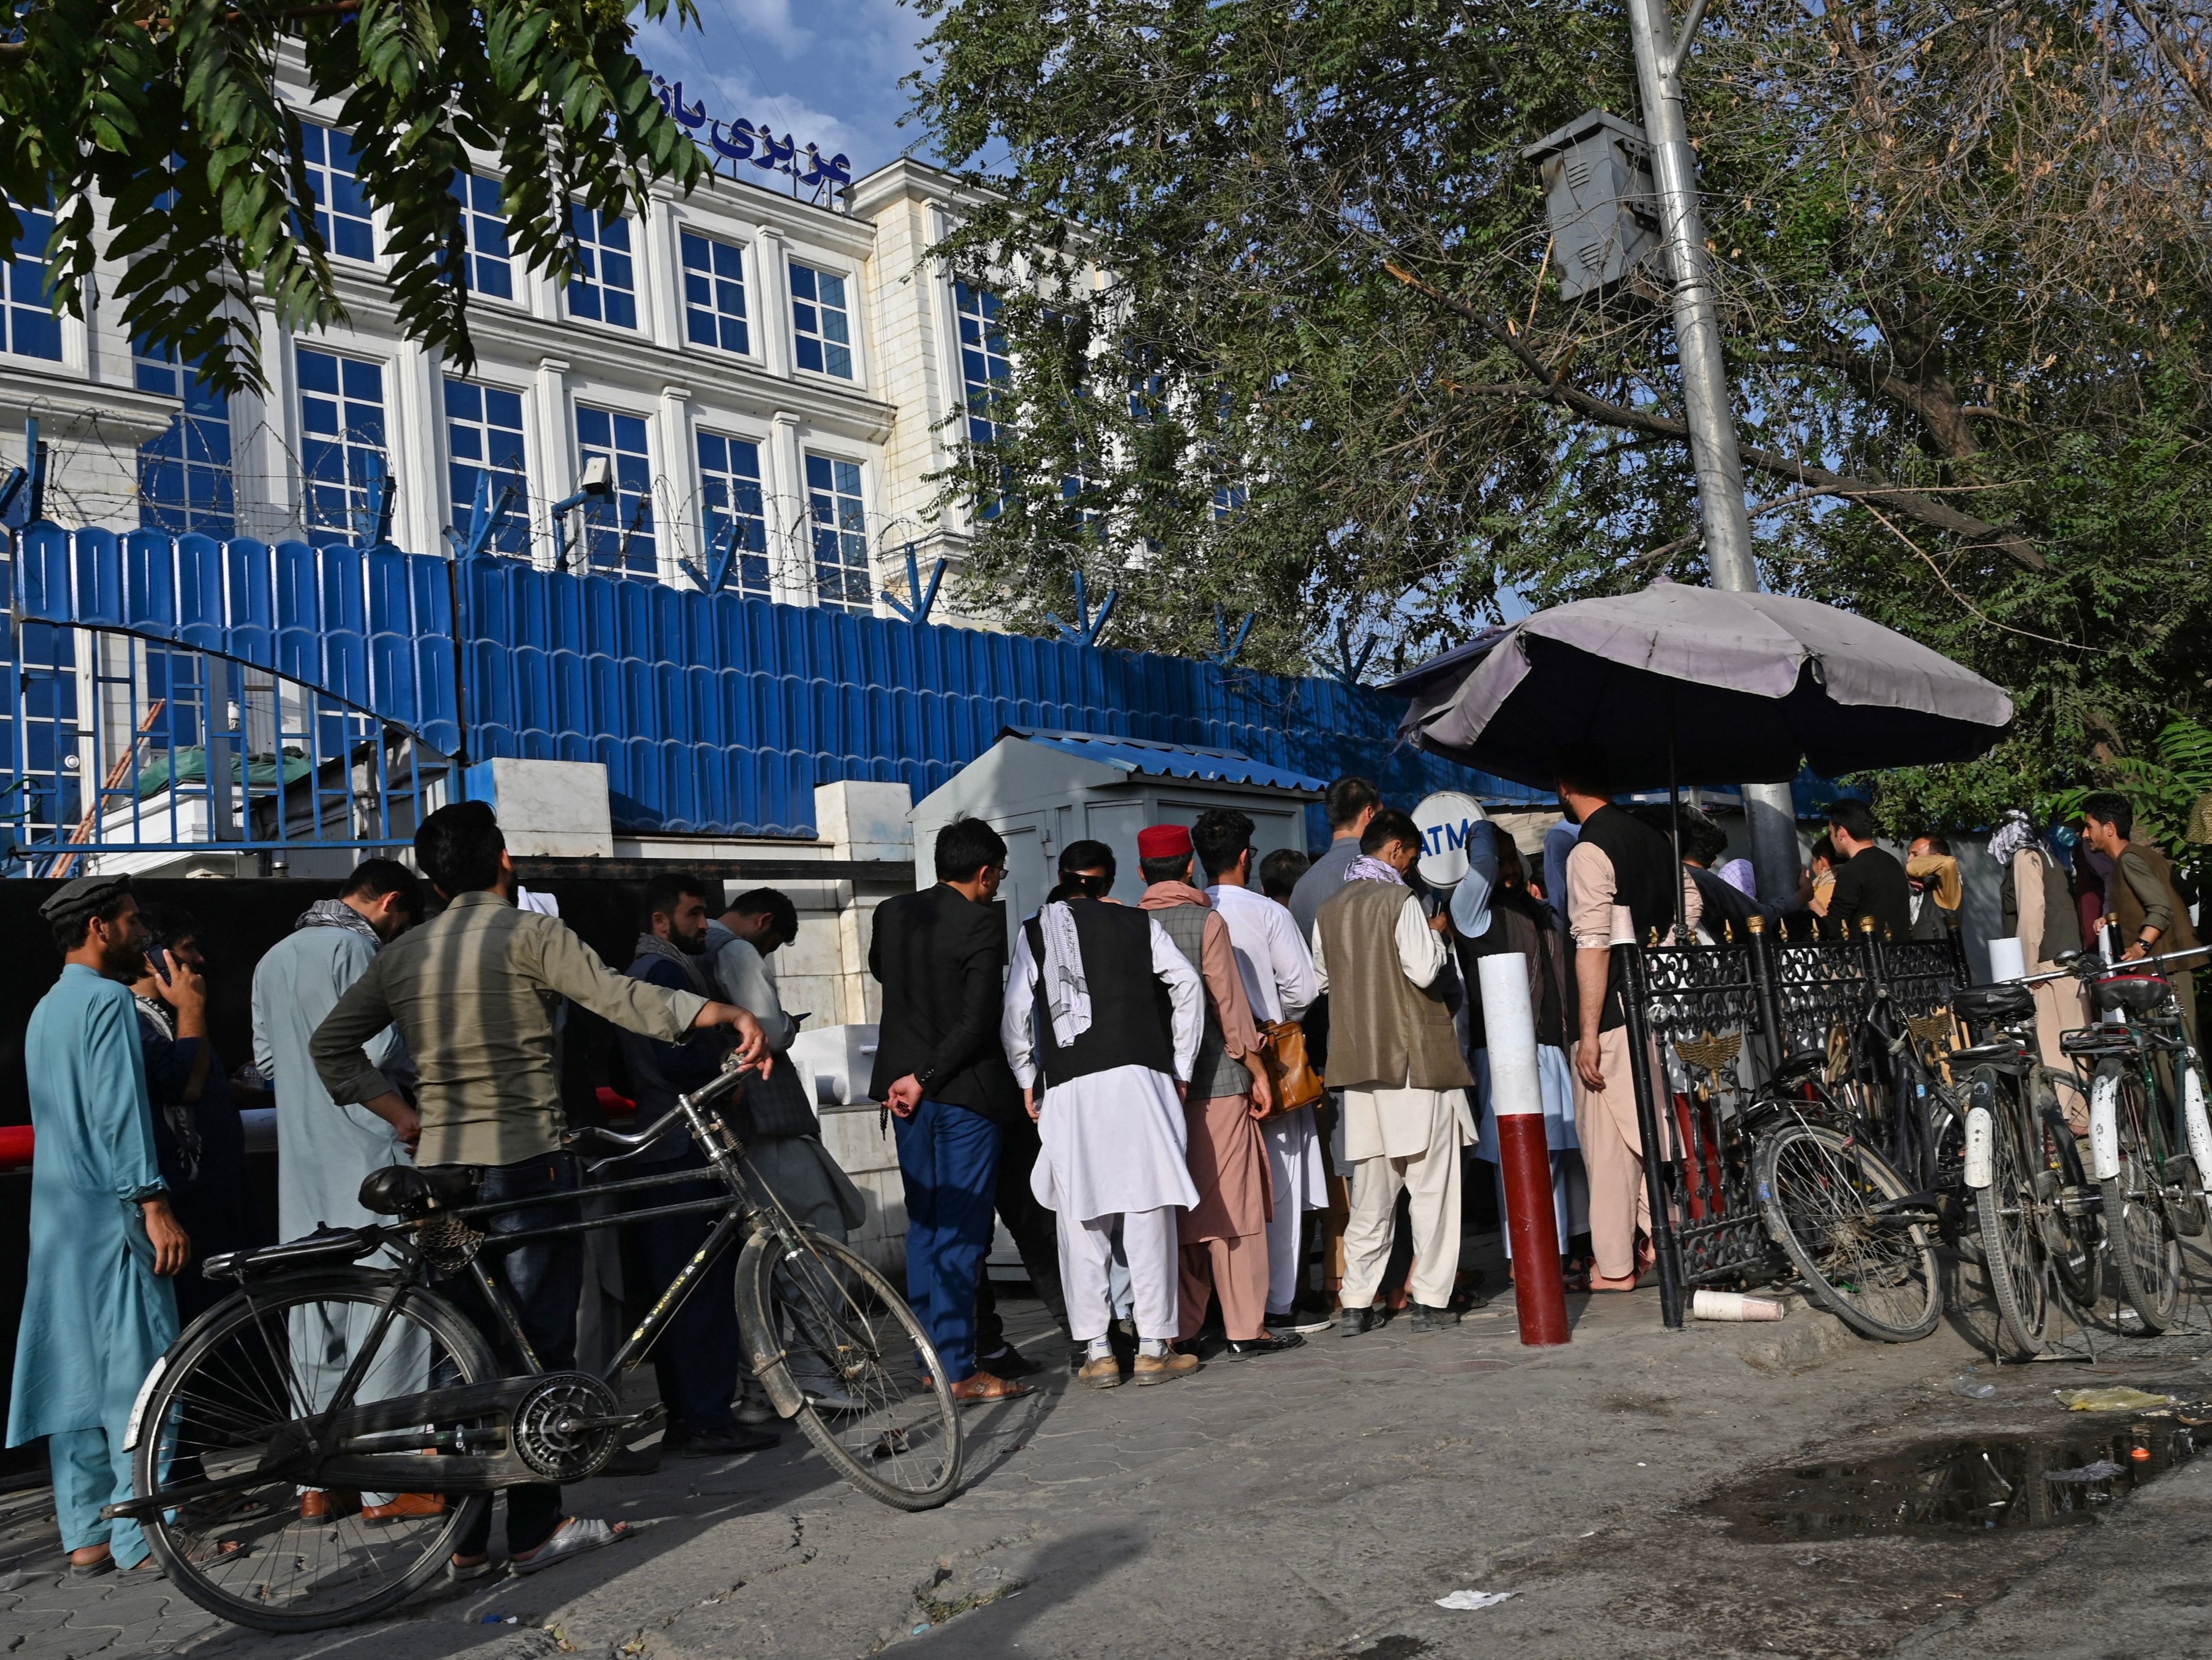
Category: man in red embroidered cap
<point>1223,1236</point>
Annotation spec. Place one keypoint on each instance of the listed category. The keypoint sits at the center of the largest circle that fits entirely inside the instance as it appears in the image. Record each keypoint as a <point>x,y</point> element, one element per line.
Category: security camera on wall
<point>598,477</point>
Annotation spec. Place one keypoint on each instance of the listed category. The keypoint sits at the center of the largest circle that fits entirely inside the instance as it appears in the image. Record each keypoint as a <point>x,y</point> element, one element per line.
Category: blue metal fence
<point>711,713</point>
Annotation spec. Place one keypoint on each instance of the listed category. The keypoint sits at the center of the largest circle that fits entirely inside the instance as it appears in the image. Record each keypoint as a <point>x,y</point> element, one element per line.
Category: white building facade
<point>771,382</point>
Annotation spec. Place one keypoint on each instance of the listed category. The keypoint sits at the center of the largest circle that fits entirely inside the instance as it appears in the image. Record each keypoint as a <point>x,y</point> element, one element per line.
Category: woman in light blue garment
<point>98,1307</point>
<point>1493,913</point>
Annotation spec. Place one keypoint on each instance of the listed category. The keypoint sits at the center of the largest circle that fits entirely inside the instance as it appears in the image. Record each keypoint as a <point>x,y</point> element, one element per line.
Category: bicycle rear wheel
<point>2012,1234</point>
<point>877,1402</point>
<point>1822,1193</point>
<point>244,1374</point>
<point>2146,1249</point>
<point>2073,1237</point>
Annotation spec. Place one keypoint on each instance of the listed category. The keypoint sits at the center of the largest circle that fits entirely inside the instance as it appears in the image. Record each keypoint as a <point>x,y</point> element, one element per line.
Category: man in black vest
<point>939,954</point>
<point>1101,1025</point>
<point>1618,862</point>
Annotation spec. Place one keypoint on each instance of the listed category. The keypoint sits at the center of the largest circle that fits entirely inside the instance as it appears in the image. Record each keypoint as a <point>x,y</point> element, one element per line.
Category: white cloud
<point>832,82</point>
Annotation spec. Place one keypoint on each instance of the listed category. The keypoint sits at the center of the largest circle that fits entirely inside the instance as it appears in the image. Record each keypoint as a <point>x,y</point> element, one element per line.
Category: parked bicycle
<point>2149,1145</point>
<point>324,1372</point>
<point>2037,1215</point>
<point>1848,1226</point>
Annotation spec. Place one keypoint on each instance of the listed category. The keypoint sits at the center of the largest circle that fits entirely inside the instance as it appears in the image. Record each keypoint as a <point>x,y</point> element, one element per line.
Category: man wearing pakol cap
<point>1395,1054</point>
<point>1105,1013</point>
<point>98,1305</point>
<point>1224,1236</point>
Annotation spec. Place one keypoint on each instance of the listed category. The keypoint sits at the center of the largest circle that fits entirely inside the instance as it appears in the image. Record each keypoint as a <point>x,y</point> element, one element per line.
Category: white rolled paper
<point>1624,926</point>
<point>2008,959</point>
<point>1509,1026</point>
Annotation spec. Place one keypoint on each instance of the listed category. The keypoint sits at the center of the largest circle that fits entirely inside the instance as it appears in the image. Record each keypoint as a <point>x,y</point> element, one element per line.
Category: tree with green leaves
<point>1962,258</point>
<point>156,130</point>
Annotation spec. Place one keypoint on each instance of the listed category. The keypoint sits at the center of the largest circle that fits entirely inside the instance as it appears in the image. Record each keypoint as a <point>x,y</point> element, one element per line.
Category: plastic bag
<point>2116,1397</point>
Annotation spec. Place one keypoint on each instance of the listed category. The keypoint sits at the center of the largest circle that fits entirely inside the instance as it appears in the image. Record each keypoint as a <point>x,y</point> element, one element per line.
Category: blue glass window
<point>714,293</point>
<point>484,434</point>
<point>984,365</point>
<point>819,317</point>
<point>842,575</point>
<point>342,424</point>
<point>483,222</point>
<point>342,212</point>
<point>729,492</point>
<point>603,283</point>
<point>618,533</point>
<point>185,480</point>
<point>28,326</point>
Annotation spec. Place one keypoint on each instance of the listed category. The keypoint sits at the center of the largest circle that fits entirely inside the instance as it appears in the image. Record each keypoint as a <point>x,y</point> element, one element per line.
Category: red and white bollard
<point>1524,1152</point>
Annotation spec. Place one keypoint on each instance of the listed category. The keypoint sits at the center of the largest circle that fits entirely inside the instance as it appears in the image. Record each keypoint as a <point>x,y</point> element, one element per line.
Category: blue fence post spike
<point>376,525</point>
<point>726,554</point>
<point>1230,649</point>
<point>1086,629</point>
<point>1348,667</point>
<point>915,607</point>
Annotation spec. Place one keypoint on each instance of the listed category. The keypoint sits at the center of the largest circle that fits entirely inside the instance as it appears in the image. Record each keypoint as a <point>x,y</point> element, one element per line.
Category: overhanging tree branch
<point>1554,386</point>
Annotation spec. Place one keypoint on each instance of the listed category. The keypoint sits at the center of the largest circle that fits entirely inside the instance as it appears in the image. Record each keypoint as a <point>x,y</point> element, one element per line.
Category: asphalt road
<point>1317,1504</point>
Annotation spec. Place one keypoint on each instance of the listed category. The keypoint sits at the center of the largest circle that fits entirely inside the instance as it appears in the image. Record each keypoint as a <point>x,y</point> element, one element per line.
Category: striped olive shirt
<point>475,993</point>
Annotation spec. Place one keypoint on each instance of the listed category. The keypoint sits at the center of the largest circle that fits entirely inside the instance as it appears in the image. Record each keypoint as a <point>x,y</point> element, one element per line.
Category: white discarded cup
<point>1734,1305</point>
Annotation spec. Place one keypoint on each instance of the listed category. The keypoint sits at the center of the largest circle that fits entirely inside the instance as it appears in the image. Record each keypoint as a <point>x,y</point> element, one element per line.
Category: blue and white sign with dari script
<point>1444,820</point>
<point>741,141</point>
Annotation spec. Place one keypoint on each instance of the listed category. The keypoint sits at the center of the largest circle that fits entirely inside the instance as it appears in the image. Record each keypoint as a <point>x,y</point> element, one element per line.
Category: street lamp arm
<point>1697,16</point>
<point>1556,388</point>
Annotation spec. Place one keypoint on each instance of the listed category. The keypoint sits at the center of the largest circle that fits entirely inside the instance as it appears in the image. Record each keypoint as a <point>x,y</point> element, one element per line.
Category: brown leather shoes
<point>1164,1368</point>
<point>985,1386</point>
<point>1104,1373</point>
<point>405,1507</point>
<point>318,1505</point>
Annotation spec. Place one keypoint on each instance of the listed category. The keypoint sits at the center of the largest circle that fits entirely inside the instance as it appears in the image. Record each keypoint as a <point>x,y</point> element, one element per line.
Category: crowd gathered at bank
<point>1249,1109</point>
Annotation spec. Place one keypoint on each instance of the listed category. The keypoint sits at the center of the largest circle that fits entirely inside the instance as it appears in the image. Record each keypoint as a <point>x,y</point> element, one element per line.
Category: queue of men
<point>1112,1081</point>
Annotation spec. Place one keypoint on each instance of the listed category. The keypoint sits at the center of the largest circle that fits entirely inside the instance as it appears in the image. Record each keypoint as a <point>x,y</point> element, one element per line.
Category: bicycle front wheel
<point>2012,1236</point>
<point>265,1553</point>
<point>2146,1249</point>
<point>1823,1194</point>
<point>876,1400</point>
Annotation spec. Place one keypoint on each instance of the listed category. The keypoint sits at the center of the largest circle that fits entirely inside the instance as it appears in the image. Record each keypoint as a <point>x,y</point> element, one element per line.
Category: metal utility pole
<point>1659,54</point>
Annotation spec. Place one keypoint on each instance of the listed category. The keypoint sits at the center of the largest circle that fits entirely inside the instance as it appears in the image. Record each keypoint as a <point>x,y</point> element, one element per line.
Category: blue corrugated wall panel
<point>711,713</point>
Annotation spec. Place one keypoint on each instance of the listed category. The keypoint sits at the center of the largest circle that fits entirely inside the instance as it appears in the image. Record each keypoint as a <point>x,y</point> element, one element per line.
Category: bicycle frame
<point>743,1203</point>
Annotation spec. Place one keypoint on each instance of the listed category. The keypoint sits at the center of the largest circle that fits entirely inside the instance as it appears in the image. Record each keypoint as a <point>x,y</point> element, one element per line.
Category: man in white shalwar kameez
<point>1101,1025</point>
<point>1394,1052</point>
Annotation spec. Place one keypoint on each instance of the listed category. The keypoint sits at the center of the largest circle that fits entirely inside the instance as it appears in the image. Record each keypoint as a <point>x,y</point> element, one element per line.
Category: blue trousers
<point>696,1358</point>
<point>543,1281</point>
<point>949,1162</point>
<point>91,1469</point>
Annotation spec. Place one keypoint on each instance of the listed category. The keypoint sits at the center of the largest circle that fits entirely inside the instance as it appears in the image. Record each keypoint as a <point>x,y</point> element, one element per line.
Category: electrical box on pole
<point>1598,196</point>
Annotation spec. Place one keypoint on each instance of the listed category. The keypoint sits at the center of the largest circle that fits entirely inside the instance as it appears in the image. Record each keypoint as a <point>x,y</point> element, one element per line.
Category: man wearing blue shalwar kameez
<point>98,1307</point>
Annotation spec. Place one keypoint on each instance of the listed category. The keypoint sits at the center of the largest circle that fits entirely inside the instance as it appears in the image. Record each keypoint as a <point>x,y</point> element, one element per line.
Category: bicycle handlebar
<point>2089,966</point>
<point>729,1079</point>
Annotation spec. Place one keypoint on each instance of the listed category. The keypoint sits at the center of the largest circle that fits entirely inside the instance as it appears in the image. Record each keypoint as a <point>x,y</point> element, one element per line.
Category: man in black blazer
<point>941,956</point>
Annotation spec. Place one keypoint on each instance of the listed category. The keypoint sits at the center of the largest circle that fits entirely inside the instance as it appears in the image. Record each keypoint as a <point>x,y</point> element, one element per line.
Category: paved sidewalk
<point>1294,1505</point>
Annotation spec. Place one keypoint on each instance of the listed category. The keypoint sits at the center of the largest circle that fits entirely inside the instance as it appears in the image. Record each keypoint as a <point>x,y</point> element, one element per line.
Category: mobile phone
<point>159,957</point>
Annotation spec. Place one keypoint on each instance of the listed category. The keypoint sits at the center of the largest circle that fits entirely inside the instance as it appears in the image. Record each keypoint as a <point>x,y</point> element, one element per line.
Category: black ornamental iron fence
<point>1710,1024</point>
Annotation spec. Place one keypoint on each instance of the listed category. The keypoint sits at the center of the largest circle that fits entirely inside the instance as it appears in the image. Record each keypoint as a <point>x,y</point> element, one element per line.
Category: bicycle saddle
<point>2138,993</point>
<point>1983,1006</point>
<point>1803,1064</point>
<point>412,1190</point>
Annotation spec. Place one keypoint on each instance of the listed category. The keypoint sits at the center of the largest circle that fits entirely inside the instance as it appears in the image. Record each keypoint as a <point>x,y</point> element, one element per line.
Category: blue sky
<point>825,71</point>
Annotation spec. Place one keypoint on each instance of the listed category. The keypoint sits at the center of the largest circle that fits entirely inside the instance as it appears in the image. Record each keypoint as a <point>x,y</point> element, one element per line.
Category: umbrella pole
<point>1675,823</point>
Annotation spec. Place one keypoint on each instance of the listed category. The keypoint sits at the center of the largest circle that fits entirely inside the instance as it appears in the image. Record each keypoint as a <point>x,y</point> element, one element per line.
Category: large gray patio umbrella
<point>1694,686</point>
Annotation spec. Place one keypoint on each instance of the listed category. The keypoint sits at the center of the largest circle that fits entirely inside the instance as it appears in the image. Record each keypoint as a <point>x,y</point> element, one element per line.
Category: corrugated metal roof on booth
<point>1157,760</point>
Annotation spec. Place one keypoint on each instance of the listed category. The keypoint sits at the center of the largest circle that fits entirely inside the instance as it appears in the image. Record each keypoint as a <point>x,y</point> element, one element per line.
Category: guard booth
<point>1042,789</point>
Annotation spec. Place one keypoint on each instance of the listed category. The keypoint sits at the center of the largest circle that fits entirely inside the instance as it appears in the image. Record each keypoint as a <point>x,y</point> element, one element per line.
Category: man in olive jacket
<point>1393,1052</point>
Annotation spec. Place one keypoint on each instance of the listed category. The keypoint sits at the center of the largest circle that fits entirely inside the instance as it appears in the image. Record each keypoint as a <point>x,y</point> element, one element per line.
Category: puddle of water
<point>1971,1485</point>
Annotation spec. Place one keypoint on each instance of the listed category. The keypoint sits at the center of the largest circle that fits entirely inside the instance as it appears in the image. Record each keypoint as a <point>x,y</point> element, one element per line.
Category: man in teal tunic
<point>98,1307</point>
